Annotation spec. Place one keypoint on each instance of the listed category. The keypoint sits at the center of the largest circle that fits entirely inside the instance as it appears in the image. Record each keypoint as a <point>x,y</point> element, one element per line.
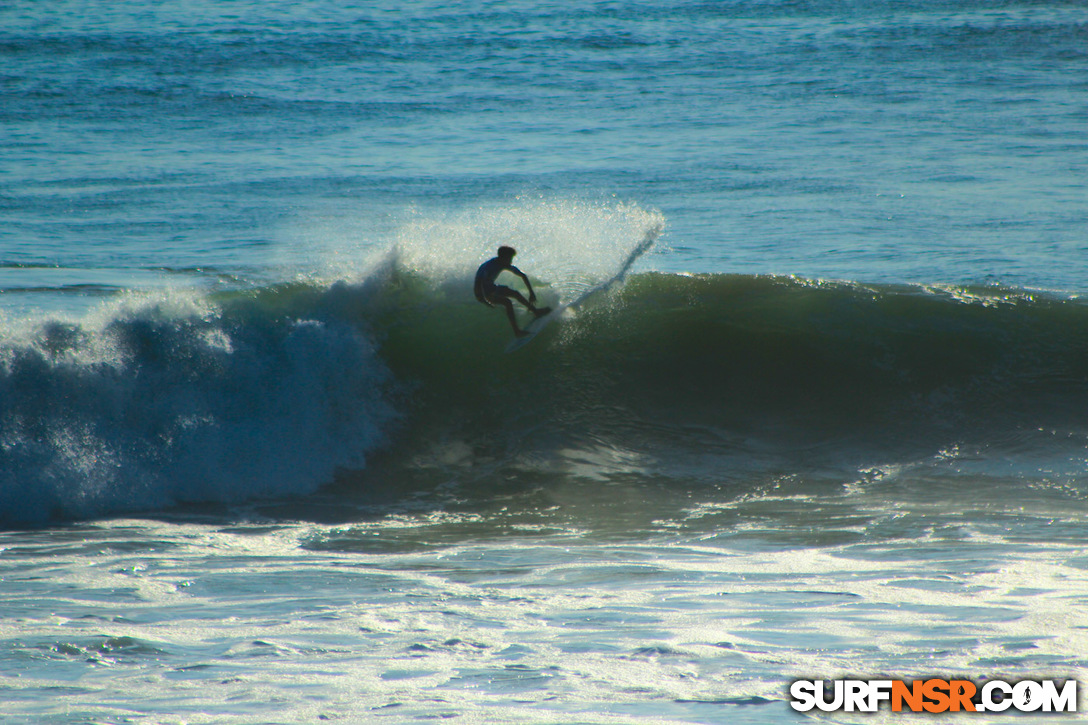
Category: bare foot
<point>541,311</point>
<point>520,333</point>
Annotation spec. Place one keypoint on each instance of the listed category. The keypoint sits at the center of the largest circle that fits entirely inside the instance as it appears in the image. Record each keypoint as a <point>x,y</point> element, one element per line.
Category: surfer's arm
<point>528,286</point>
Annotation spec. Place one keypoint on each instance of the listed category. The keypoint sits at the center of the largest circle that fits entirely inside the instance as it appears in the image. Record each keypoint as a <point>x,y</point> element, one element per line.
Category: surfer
<point>492,294</point>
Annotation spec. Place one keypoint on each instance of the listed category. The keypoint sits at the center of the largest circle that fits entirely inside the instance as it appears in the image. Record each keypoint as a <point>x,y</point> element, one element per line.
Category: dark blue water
<point>925,142</point>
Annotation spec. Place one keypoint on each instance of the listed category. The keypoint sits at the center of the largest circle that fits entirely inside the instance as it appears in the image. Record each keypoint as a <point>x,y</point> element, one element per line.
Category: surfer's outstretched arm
<point>528,286</point>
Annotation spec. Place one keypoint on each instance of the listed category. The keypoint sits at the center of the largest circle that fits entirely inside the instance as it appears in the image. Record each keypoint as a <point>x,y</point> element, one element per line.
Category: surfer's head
<point>507,253</point>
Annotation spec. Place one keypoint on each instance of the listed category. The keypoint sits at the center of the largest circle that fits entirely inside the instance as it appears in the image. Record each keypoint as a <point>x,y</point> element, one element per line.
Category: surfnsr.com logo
<point>934,695</point>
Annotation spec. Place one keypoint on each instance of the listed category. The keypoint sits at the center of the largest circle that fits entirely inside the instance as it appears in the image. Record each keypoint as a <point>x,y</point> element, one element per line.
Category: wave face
<point>667,378</point>
<point>710,378</point>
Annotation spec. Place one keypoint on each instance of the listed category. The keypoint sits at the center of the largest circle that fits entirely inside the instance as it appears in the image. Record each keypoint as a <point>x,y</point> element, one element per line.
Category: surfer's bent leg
<point>505,302</point>
<point>507,292</point>
<point>537,311</point>
<point>499,295</point>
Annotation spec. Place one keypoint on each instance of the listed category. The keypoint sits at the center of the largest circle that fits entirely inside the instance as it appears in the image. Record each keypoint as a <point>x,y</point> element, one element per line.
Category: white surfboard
<point>534,328</point>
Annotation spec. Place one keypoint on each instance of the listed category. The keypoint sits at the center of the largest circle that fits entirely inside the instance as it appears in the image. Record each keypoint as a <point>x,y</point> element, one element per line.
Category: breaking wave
<point>279,390</point>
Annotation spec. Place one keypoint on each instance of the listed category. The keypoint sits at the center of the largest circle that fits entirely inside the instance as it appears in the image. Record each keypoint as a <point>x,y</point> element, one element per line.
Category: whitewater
<point>816,411</point>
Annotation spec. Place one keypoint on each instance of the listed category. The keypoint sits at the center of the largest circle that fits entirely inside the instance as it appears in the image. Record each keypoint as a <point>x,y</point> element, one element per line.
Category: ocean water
<point>263,458</point>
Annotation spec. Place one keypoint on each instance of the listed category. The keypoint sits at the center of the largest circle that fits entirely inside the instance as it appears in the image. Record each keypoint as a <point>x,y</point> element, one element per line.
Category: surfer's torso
<point>485,277</point>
